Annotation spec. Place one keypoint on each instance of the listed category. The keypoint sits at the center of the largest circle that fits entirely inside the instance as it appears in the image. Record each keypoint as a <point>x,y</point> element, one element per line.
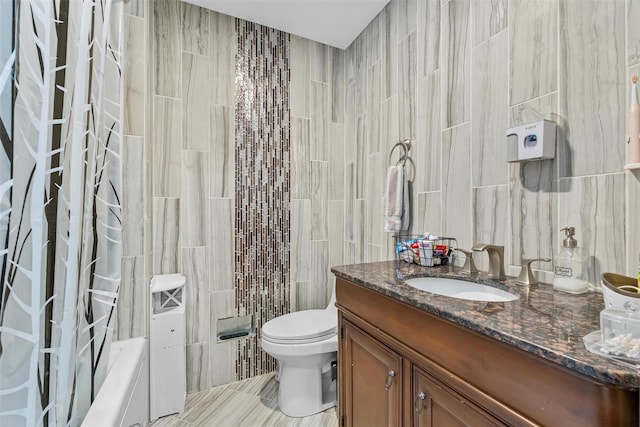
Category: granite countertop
<point>545,322</point>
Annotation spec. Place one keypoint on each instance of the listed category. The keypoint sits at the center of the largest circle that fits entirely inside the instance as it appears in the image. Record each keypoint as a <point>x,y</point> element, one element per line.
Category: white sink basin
<point>455,288</point>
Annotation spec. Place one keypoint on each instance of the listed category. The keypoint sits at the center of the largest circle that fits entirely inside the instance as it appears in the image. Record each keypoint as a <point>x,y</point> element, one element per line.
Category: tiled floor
<point>248,403</point>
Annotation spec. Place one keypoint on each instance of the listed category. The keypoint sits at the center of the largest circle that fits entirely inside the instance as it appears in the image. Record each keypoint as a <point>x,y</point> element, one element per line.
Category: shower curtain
<point>60,215</point>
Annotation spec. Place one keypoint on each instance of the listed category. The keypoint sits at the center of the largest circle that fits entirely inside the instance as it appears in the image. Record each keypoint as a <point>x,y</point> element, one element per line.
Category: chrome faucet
<point>496,259</point>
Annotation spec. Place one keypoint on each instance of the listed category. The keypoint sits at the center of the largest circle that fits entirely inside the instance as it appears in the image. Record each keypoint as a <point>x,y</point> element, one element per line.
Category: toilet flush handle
<point>389,381</point>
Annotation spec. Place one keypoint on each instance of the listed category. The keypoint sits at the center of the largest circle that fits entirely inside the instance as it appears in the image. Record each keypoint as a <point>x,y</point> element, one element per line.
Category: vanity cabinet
<point>435,404</point>
<point>374,377</point>
<point>402,366</point>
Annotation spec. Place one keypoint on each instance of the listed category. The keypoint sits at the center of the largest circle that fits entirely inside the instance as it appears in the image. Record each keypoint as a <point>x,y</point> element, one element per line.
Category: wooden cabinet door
<point>437,405</point>
<point>372,377</point>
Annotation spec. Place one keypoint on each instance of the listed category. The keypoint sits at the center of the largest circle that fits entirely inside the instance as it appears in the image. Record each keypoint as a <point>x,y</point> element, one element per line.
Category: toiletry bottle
<point>568,266</point>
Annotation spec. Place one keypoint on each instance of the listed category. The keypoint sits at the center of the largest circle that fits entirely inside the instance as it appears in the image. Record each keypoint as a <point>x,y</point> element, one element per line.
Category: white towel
<point>406,202</point>
<point>394,199</point>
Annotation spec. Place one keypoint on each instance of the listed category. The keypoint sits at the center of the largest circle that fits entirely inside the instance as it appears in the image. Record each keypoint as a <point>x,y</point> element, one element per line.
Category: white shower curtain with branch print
<point>60,216</point>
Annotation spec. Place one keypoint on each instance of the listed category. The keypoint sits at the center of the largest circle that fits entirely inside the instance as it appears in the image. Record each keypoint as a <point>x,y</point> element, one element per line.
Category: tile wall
<point>180,174</point>
<point>451,75</point>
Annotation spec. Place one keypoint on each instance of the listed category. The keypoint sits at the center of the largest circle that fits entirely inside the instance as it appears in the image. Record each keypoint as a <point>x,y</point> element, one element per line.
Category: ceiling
<point>333,22</point>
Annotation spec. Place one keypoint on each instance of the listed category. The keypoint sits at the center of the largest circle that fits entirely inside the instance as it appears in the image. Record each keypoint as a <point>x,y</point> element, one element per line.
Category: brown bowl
<point>613,282</point>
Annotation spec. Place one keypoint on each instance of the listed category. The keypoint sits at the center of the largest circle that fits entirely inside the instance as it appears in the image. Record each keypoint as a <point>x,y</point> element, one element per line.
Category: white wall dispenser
<point>167,358</point>
<point>533,141</point>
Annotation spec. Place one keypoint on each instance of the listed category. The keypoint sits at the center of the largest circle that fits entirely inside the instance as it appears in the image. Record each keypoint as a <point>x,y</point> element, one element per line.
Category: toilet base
<point>306,387</point>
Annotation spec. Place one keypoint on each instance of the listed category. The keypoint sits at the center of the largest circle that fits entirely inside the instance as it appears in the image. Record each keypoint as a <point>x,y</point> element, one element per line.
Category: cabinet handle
<point>418,403</point>
<point>387,383</point>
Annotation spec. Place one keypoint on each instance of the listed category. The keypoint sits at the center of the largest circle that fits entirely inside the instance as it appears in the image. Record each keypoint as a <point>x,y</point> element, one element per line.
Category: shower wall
<point>192,203</point>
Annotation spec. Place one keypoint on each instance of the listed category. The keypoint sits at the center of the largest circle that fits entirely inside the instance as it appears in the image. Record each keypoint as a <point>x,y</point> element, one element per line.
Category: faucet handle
<point>526,276</point>
<point>469,266</point>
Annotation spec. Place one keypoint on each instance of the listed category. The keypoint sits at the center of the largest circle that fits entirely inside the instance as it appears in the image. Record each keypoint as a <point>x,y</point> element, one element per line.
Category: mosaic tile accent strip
<point>262,156</point>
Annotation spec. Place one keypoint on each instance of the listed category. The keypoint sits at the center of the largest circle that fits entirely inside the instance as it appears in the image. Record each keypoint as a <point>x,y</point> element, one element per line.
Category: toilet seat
<point>301,327</point>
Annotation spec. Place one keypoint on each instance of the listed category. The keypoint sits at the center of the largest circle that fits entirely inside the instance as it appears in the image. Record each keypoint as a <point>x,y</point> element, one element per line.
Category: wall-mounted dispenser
<point>533,141</point>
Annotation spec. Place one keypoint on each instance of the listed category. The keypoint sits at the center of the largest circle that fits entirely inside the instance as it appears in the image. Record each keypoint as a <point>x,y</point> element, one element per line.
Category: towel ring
<point>406,145</point>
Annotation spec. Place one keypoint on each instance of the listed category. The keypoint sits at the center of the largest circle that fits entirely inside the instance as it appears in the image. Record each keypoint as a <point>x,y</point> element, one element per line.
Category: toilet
<point>305,344</point>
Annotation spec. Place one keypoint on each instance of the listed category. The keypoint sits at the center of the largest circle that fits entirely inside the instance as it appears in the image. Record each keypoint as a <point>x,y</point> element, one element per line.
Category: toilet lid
<point>306,326</point>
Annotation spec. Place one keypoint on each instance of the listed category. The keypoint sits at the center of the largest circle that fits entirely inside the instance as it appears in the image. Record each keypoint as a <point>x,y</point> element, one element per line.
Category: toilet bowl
<point>305,344</point>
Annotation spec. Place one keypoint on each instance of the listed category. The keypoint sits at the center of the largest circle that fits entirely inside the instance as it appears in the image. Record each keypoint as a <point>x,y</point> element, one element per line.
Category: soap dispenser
<point>568,274</point>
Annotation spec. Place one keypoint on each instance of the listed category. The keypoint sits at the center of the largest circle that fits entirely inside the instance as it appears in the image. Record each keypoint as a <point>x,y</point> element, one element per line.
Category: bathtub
<point>123,399</point>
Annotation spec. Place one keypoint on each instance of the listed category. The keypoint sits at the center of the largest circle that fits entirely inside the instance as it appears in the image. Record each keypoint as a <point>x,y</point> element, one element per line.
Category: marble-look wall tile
<point>375,178</point>
<point>534,212</point>
<point>133,300</point>
<point>309,296</point>
<point>349,201</point>
<point>336,162</point>
<point>373,40</point>
<point>533,36</point>
<point>320,280</point>
<point>489,110</point>
<point>533,192</point>
<point>135,74</point>
<point>429,212</point>
<point>167,47</point>
<point>166,235</point>
<point>360,212</point>
<point>300,159</point>
<point>223,59</point>
<point>194,206</point>
<point>360,76</point>
<point>221,244</point>
<point>319,200</point>
<point>350,125</point>
<point>195,30</point>
<point>407,86</point>
<point>319,113</point>
<point>167,117</point>
<point>456,190</point>
<point>135,8</point>
<point>428,37</point>
<point>489,17</point>
<point>222,355</point>
<point>195,102</point>
<point>222,170</point>
<point>490,211</point>
<point>389,129</point>
<point>592,89</point>
<point>407,17</point>
<point>455,77</point>
<point>319,62</point>
<point>595,206</point>
<point>373,108</point>
<point>132,196</point>
<point>361,157</point>
<point>300,76</point>
<point>197,366</point>
<point>349,252</point>
<point>195,268</point>
<point>633,226</point>
<point>544,107</point>
<point>389,53</point>
<point>372,253</point>
<point>428,145</point>
<point>300,240</point>
<point>337,85</point>
<point>633,32</point>
<point>336,232</point>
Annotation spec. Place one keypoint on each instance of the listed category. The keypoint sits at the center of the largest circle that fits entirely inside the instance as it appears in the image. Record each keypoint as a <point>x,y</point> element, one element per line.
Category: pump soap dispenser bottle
<point>568,266</point>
